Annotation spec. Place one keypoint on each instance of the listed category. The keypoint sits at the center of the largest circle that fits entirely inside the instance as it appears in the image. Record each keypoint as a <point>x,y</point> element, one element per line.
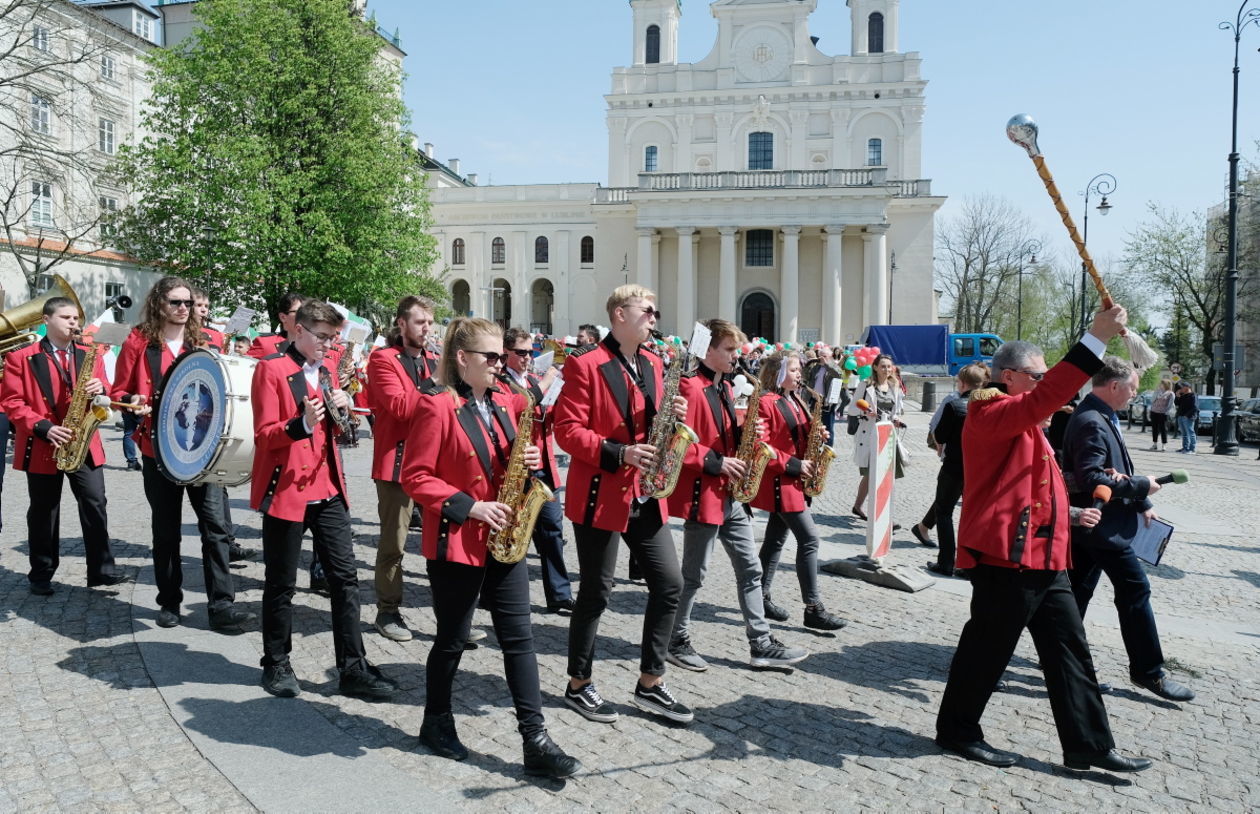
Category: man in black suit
<point>1094,454</point>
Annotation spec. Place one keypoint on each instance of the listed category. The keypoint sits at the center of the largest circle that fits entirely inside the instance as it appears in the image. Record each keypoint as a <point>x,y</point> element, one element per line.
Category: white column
<point>686,298</point>
<point>875,265</point>
<point>726,274</point>
<point>790,284</point>
<point>647,257</point>
<point>832,276</point>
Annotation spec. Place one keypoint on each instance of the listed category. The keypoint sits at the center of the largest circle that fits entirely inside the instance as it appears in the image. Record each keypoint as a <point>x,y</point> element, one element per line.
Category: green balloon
<point>864,371</point>
<point>850,364</point>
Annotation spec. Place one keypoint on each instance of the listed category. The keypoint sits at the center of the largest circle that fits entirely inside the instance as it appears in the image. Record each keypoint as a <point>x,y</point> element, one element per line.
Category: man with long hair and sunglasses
<point>169,327</point>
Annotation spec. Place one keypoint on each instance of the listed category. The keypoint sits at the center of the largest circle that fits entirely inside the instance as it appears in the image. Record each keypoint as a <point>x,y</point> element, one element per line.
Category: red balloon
<point>875,350</point>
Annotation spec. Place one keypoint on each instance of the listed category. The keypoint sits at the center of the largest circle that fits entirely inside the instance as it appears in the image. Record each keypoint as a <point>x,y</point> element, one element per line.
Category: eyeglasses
<point>652,311</point>
<point>180,303</point>
<point>492,358</point>
<point>294,311</point>
<point>522,352</point>
<point>324,339</point>
<point>1032,375</point>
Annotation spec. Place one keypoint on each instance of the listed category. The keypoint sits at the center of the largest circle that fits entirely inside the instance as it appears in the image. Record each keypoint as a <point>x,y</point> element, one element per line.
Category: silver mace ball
<point>1022,130</point>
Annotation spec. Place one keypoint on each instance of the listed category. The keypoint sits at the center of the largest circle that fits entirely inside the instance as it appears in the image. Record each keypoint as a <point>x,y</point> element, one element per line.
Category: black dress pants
<point>949,488</point>
<point>1004,601</point>
<point>329,522</point>
<point>1133,602</point>
<point>166,502</point>
<point>503,590</point>
<point>43,520</point>
<point>549,543</point>
<point>653,546</point>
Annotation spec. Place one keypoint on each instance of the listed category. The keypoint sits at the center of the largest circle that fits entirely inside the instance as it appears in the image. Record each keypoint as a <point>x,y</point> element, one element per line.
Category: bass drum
<point>203,422</point>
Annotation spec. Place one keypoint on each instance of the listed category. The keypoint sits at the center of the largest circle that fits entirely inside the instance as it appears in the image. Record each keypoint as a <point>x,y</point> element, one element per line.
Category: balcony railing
<point>871,177</point>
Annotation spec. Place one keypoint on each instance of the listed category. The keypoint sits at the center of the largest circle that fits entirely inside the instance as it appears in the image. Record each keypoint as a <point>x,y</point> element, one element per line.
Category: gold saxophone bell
<point>17,325</point>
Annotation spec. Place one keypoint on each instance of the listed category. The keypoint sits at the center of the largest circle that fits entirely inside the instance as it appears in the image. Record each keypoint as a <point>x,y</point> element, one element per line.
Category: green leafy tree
<point>277,158</point>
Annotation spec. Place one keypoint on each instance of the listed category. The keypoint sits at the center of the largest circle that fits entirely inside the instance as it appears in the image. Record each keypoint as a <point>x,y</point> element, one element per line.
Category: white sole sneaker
<point>650,706</point>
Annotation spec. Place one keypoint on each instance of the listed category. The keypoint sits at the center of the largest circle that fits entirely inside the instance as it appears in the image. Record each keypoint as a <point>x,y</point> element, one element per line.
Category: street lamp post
<point>1029,250</point>
<point>1104,184</point>
<point>1227,438</point>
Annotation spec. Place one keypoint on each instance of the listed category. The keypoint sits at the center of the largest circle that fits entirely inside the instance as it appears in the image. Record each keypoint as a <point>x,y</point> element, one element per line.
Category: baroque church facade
<point>769,184</point>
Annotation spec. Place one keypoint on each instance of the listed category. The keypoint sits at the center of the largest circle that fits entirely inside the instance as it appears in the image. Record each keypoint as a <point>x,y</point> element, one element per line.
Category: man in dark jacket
<point>1094,454</point>
<point>1187,416</point>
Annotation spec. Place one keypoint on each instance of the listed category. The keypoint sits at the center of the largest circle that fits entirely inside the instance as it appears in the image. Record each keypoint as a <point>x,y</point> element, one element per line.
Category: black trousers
<point>503,590</point>
<point>43,520</point>
<point>329,522</point>
<point>801,524</point>
<point>1133,602</point>
<point>1005,601</point>
<point>1159,428</point>
<point>166,502</point>
<point>949,488</point>
<point>652,544</point>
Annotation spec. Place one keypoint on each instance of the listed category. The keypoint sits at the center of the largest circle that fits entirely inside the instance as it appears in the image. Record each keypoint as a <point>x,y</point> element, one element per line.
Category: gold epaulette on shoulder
<point>985,394</point>
<point>585,349</point>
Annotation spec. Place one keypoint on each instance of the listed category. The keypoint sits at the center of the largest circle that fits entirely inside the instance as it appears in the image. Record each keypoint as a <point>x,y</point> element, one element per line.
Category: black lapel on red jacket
<point>471,424</point>
<point>43,377</point>
<point>615,375</point>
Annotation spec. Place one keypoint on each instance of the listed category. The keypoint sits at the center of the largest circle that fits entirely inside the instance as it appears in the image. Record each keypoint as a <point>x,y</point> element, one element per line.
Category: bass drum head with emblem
<point>203,423</point>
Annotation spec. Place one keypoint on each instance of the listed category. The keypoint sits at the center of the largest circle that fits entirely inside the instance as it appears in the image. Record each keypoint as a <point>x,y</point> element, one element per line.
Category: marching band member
<point>38,383</point>
<point>782,494</point>
<point>266,344</point>
<point>703,499</point>
<point>299,483</point>
<point>603,419</point>
<point>395,374</point>
<point>467,428</point>
<point>168,328</point>
<point>518,347</point>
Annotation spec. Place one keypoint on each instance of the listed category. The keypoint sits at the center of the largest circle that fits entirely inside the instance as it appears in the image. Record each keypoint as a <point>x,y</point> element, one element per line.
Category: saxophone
<point>817,450</point>
<point>670,437</point>
<point>525,495</point>
<point>83,416</point>
<point>752,450</point>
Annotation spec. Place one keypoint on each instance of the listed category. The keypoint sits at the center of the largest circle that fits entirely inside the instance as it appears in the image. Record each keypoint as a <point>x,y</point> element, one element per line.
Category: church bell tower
<point>656,31</point>
<point>874,26</point>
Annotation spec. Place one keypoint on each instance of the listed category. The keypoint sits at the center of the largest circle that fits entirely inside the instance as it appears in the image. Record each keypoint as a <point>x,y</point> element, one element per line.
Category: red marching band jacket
<point>292,467</point>
<point>702,491</point>
<point>1015,504</point>
<point>138,372</point>
<point>215,339</point>
<point>454,464</point>
<point>787,430</point>
<point>601,410</point>
<point>35,398</point>
<point>393,394</point>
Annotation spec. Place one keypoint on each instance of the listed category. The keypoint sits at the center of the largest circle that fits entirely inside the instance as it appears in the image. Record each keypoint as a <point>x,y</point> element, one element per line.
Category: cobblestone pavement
<point>92,723</point>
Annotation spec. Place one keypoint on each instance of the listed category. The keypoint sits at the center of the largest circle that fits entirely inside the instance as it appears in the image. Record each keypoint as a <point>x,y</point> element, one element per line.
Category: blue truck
<point>931,350</point>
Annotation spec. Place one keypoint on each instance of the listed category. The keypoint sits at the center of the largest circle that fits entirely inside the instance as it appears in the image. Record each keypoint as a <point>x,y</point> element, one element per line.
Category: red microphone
<point>1102,496</point>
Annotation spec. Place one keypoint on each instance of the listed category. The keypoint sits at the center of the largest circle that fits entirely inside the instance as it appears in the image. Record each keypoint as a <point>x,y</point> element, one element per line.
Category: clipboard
<point>1150,541</point>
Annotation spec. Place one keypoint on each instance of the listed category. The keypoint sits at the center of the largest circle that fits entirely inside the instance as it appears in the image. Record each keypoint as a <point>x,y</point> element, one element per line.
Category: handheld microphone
<point>1102,496</point>
<point>1175,476</point>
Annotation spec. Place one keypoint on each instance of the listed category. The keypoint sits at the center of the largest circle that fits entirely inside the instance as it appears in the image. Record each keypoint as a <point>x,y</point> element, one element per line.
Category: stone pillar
<point>790,284</point>
<point>832,277</point>
<point>875,282</point>
<point>686,297</point>
<point>726,274</point>
<point>647,257</point>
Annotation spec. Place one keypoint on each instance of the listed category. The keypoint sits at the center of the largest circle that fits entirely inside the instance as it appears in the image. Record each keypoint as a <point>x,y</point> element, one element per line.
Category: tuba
<point>754,452</point>
<point>525,495</point>
<point>17,325</point>
<point>83,416</point>
<point>817,450</point>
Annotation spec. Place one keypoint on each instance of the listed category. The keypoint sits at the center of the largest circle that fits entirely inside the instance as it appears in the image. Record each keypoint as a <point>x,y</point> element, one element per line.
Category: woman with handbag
<point>882,395</point>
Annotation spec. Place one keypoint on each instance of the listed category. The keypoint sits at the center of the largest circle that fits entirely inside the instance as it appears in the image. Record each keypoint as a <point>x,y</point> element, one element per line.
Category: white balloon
<point>738,382</point>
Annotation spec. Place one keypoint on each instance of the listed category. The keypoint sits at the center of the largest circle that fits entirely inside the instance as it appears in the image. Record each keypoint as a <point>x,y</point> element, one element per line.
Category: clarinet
<point>340,418</point>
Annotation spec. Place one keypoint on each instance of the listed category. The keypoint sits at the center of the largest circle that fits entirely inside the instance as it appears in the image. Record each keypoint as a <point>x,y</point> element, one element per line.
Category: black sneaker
<point>682,654</point>
<point>369,684</point>
<point>545,759</point>
<point>659,700</point>
<point>774,653</point>
<point>774,612</point>
<point>818,618</point>
<point>588,703</point>
<point>279,680</point>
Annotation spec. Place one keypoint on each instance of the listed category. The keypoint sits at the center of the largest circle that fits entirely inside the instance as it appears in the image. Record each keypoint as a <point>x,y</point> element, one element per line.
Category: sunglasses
<point>522,352</point>
<point>492,358</point>
<point>651,311</point>
<point>180,303</point>
<point>1034,376</point>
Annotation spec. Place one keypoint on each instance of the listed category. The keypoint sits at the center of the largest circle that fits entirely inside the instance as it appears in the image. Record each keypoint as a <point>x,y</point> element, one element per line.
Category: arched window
<point>588,250</point>
<point>542,251</point>
<point>760,151</point>
<point>759,248</point>
<point>461,298</point>
<point>649,158</point>
<point>653,45</point>
<point>875,33</point>
<point>875,153</point>
<point>498,251</point>
<point>457,252</point>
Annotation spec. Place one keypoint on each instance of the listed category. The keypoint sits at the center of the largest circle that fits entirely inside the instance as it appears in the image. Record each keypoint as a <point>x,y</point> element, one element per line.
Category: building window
<point>108,67</point>
<point>759,248</point>
<point>113,290</point>
<point>761,151</point>
<point>105,137</point>
<point>109,208</point>
<point>875,33</point>
<point>457,252</point>
<point>653,55</point>
<point>40,40</point>
<point>498,251</point>
<point>875,153</point>
<point>44,282</point>
<point>142,26</point>
<point>41,203</point>
<point>588,250</point>
<point>41,114</point>
<point>649,158</point>
<point>542,250</point>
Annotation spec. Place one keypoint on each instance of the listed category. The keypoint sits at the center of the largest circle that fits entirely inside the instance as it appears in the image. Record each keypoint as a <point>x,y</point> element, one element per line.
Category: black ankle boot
<point>818,618</point>
<point>543,757</point>
<point>438,733</point>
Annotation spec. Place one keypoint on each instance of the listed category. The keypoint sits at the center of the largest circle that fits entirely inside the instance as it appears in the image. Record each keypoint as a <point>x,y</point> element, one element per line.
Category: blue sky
<point>514,88</point>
